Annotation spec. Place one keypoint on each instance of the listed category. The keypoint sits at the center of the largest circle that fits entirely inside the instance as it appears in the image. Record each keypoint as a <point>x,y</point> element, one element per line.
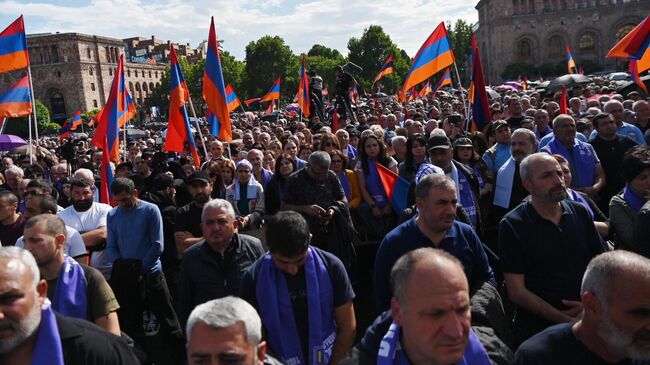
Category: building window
<point>89,53</point>
<point>92,86</point>
<point>156,73</point>
<point>622,31</point>
<point>54,53</point>
<point>587,42</point>
<point>110,71</point>
<point>90,71</point>
<point>555,44</point>
<point>136,73</point>
<point>57,73</point>
<point>95,103</point>
<point>524,49</point>
<point>128,73</point>
<point>149,74</point>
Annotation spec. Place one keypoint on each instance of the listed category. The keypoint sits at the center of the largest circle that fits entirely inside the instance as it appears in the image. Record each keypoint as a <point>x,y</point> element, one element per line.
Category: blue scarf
<point>581,161</point>
<point>573,195</point>
<point>633,199</point>
<point>48,348</point>
<point>374,185</point>
<point>266,177</point>
<point>277,314</point>
<point>503,186</point>
<point>391,353</point>
<point>345,183</point>
<point>464,193</point>
<point>70,296</point>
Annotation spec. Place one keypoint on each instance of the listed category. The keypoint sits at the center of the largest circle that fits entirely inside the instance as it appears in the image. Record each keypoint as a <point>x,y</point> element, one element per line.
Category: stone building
<point>143,50</point>
<point>538,31</point>
<point>73,71</point>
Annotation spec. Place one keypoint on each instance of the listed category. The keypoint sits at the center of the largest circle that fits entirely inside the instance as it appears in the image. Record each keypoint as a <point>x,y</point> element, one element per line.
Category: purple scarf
<point>374,185</point>
<point>633,199</point>
<point>391,353</point>
<point>343,177</point>
<point>70,296</point>
<point>277,315</point>
<point>578,198</point>
<point>266,177</point>
<point>48,348</point>
<point>581,161</point>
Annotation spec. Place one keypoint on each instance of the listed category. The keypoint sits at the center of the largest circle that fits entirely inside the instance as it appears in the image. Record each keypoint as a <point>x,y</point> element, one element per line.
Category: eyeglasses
<point>337,161</point>
<point>328,144</point>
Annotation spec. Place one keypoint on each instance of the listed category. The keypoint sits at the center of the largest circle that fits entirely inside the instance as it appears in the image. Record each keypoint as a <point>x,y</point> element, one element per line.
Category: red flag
<point>335,121</point>
<point>303,88</point>
<point>634,71</point>
<point>106,175</point>
<point>563,103</point>
<point>214,87</point>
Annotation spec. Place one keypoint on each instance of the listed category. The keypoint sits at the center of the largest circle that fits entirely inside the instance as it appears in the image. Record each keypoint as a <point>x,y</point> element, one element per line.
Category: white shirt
<point>74,246</point>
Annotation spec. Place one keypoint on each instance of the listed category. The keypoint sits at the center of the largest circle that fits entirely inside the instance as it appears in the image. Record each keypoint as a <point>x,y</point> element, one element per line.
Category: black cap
<point>199,176</point>
<point>498,124</point>
<point>438,142</point>
<point>463,142</point>
<point>164,181</point>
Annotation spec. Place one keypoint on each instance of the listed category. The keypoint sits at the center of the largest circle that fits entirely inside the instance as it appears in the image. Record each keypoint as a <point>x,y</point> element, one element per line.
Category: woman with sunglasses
<point>213,168</point>
<point>329,142</point>
<point>347,178</point>
<point>416,155</point>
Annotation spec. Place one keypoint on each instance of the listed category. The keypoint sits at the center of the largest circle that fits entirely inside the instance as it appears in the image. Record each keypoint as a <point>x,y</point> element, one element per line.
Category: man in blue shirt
<point>615,108</point>
<point>434,226</point>
<point>134,244</point>
<point>499,153</point>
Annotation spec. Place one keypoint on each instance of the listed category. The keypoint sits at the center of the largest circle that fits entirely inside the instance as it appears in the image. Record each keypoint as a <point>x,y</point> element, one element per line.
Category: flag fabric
<point>13,47</point>
<point>481,112</point>
<point>214,89</point>
<point>335,121</point>
<point>295,98</point>
<point>76,121</point>
<point>434,55</point>
<point>386,69</point>
<point>444,80</point>
<point>65,131</point>
<point>270,108</point>
<point>635,75</point>
<point>91,121</point>
<point>252,102</point>
<point>16,101</point>
<point>581,71</point>
<point>232,99</point>
<point>635,46</point>
<point>571,64</point>
<point>274,91</point>
<point>179,133</point>
<point>396,188</point>
<point>119,108</point>
<point>563,103</point>
<point>524,82</point>
<point>354,95</point>
<point>303,89</point>
<point>426,90</point>
<point>106,177</point>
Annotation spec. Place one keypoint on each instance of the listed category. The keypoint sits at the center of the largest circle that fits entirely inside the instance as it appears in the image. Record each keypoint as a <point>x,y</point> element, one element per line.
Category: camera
<point>454,119</point>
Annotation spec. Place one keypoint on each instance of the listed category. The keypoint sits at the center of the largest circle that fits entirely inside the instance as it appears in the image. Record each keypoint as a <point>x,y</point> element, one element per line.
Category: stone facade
<point>73,71</point>
<point>538,31</point>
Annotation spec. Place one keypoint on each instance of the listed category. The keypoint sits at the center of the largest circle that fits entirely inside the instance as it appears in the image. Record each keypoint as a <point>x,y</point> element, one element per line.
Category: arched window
<point>622,31</point>
<point>587,42</point>
<point>128,73</point>
<point>130,86</point>
<point>149,74</point>
<point>151,87</point>
<point>110,71</point>
<point>555,44</point>
<point>137,87</point>
<point>90,71</point>
<point>57,103</point>
<point>524,49</point>
<point>145,88</point>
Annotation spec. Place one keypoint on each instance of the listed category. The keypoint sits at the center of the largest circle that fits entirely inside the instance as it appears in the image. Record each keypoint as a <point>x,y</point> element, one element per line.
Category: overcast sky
<point>238,22</point>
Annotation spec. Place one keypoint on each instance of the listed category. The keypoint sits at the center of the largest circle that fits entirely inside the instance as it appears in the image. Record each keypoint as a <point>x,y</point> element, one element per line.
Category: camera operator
<point>316,90</point>
<point>344,83</point>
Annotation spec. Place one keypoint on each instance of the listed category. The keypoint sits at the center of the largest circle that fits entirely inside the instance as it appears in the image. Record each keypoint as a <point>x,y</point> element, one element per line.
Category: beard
<point>635,346</point>
<point>22,330</point>
<point>201,198</point>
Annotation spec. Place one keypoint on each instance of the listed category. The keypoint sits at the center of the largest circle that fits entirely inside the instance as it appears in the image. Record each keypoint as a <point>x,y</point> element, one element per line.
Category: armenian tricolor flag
<point>434,55</point>
<point>253,102</point>
<point>232,99</point>
<point>635,75</point>
<point>116,112</point>
<point>91,121</point>
<point>303,88</point>
<point>444,80</point>
<point>179,134</point>
<point>270,108</point>
<point>106,175</point>
<point>386,69</point>
<point>274,91</point>
<point>13,47</point>
<point>571,64</point>
<point>634,46</point>
<point>481,113</point>
<point>214,87</point>
<point>16,102</point>
<point>76,121</point>
<point>396,188</point>
<point>426,90</point>
<point>65,131</point>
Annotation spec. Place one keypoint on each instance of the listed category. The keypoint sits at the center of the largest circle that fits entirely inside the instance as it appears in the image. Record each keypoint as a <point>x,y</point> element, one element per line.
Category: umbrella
<point>542,85</point>
<point>569,81</point>
<point>632,86</point>
<point>505,87</point>
<point>491,93</point>
<point>9,142</point>
<point>514,84</point>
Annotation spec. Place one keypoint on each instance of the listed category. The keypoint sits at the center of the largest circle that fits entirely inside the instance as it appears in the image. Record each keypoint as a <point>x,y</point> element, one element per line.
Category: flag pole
<point>4,123</point>
<point>198,127</point>
<point>31,93</point>
<point>460,86</point>
<point>30,139</point>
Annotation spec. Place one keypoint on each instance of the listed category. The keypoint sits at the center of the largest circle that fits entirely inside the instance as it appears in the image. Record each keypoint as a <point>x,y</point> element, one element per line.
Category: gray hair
<point>401,271</point>
<point>603,269</point>
<point>226,312</point>
<point>320,159</point>
<point>531,135</point>
<point>610,104</point>
<point>15,170</point>
<point>431,181</point>
<point>437,132</point>
<point>84,174</point>
<point>562,117</point>
<point>12,252</point>
<point>525,168</point>
<point>216,204</point>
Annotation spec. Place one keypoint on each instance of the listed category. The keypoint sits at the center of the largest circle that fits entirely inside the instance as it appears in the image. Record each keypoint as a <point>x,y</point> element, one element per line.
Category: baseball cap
<point>498,124</point>
<point>438,142</point>
<point>463,142</point>
<point>199,176</point>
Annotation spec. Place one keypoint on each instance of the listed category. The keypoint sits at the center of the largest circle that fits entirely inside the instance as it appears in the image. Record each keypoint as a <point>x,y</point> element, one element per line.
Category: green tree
<point>590,67</point>
<point>546,69</point>
<point>371,51</point>
<point>20,126</point>
<point>267,59</point>
<point>320,50</point>
<point>461,43</point>
<point>514,70</point>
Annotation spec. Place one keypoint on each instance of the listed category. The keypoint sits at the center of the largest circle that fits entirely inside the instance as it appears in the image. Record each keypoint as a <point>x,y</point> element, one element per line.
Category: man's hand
<point>182,235</point>
<point>574,308</point>
<point>314,210</point>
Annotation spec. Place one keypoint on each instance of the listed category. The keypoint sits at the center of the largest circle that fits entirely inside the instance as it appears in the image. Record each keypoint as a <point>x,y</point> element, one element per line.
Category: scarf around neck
<point>48,348</point>
<point>70,297</point>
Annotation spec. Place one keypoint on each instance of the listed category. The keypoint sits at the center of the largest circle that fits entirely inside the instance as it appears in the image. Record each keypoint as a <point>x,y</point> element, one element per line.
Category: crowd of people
<point>522,243</point>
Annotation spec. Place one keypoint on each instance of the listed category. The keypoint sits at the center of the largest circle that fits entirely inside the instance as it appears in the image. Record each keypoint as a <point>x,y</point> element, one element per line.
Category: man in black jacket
<point>33,333</point>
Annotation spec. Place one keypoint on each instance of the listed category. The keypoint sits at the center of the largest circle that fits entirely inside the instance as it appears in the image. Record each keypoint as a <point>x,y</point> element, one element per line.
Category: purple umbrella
<point>9,142</point>
<point>514,84</point>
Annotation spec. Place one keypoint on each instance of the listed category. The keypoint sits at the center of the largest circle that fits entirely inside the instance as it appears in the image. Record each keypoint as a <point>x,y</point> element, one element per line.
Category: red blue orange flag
<point>481,112</point>
<point>635,75</point>
<point>17,101</point>
<point>179,134</point>
<point>270,108</point>
<point>91,121</point>
<point>119,109</point>
<point>252,101</point>
<point>274,91</point>
<point>444,80</point>
<point>386,69</point>
<point>214,87</point>
<point>65,131</point>
<point>232,99</point>
<point>434,55</point>
<point>354,95</point>
<point>13,47</point>
<point>76,121</point>
<point>426,90</point>
<point>571,64</point>
<point>396,188</point>
<point>634,45</point>
<point>106,176</point>
<point>303,88</point>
